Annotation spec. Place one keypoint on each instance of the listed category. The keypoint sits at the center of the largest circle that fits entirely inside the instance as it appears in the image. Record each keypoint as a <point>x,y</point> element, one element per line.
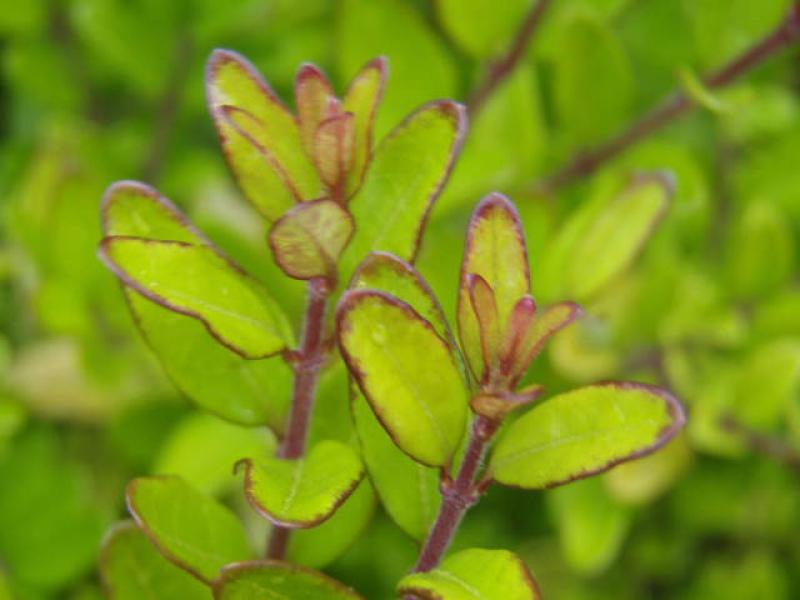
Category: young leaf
<point>610,243</point>
<point>584,432</point>
<point>276,580</point>
<point>307,241</point>
<point>132,569</point>
<point>196,281</point>
<point>333,150</point>
<point>472,574</point>
<point>192,530</point>
<point>407,372</point>
<point>361,99</point>
<point>306,491</point>
<point>388,273</point>
<point>232,81</point>
<point>321,545</point>
<point>404,178</point>
<point>494,250</point>
<point>316,102</point>
<point>408,490</point>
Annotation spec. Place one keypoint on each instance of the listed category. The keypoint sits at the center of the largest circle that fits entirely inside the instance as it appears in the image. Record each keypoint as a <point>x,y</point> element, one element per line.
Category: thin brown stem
<point>764,444</point>
<point>675,105</point>
<point>458,496</point>
<point>308,361</point>
<point>502,68</point>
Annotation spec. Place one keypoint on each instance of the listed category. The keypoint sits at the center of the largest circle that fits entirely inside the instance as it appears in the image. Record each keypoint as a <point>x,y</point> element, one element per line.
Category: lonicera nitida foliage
<point>347,215</point>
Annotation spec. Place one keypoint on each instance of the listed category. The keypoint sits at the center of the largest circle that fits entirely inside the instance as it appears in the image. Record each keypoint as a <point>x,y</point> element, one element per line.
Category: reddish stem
<point>673,106</point>
<point>458,496</point>
<point>503,67</point>
<point>307,366</point>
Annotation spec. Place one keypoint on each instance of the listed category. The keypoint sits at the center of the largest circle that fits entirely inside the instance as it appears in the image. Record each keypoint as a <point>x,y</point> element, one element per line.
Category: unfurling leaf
<point>308,240</point>
<point>239,390</point>
<point>306,491</point>
<point>192,530</point>
<point>405,176</point>
<point>316,102</point>
<point>407,372</point>
<point>132,569</point>
<point>333,151</point>
<point>361,99</point>
<point>472,574</point>
<point>197,282</point>
<point>610,243</point>
<point>495,251</point>
<point>232,81</point>
<point>584,432</point>
<point>277,580</point>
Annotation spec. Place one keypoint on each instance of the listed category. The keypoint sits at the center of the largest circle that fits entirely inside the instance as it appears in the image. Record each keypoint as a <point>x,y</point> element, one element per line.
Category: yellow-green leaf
<point>315,102</point>
<point>584,432</point>
<point>306,491</point>
<point>307,241</point>
<point>197,282</point>
<point>192,530</point>
<point>474,574</point>
<point>277,580</point>
<point>407,372</point>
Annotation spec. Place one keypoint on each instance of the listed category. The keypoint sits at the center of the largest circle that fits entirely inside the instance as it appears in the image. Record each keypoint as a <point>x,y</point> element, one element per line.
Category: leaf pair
<point>170,271</point>
<point>204,539</point>
<point>500,330</point>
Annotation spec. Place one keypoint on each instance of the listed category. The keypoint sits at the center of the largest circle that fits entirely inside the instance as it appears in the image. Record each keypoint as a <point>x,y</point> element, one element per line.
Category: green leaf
<point>591,525</point>
<point>474,574</point>
<point>407,372</point>
<point>584,432</point>
<point>307,241</point>
<point>394,28</point>
<point>591,63</point>
<point>495,251</point>
<point>388,273</point>
<point>403,180</point>
<point>196,281</point>
<point>269,161</point>
<point>609,243</point>
<point>408,490</point>
<point>132,569</point>
<point>306,491</point>
<point>191,529</point>
<point>276,580</point>
<point>362,98</point>
<point>203,449</point>
<point>321,545</point>
<point>482,27</point>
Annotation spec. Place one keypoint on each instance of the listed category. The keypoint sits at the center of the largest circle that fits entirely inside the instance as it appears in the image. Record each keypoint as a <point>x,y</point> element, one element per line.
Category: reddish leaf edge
<point>347,303</point>
<point>247,465</point>
<point>232,571</point>
<point>130,282</point>
<point>675,410</point>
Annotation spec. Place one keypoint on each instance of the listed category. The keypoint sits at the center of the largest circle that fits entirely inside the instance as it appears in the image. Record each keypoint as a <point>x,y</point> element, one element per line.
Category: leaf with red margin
<point>238,390</point>
<point>278,580</point>
<point>316,102</point>
<point>362,98</point>
<point>404,178</point>
<point>484,306</point>
<point>192,530</point>
<point>584,432</point>
<point>333,150</point>
<point>306,491</point>
<point>529,330</point>
<point>308,240</point>
<point>407,372</point>
<point>195,281</point>
<point>495,250</point>
<point>471,574</point>
<point>232,81</point>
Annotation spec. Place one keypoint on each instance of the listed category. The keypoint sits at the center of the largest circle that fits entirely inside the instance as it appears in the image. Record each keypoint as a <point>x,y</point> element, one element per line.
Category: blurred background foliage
<point>98,90</point>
